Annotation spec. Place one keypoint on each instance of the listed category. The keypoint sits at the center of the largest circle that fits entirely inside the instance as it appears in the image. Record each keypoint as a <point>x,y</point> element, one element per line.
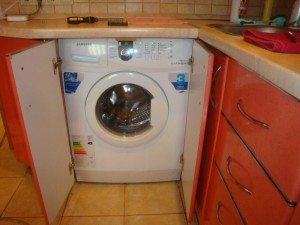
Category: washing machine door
<point>127,109</point>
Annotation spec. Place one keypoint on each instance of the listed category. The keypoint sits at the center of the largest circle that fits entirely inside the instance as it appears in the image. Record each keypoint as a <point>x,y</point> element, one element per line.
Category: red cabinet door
<point>255,195</point>
<point>213,117</point>
<point>220,208</point>
<point>268,121</point>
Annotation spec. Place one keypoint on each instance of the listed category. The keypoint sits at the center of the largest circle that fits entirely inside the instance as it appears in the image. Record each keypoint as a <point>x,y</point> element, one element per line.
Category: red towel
<point>276,42</point>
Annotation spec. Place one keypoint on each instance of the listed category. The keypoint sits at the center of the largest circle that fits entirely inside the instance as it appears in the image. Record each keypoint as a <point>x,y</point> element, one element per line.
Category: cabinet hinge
<point>191,63</point>
<point>56,64</point>
<point>71,166</point>
<point>182,160</point>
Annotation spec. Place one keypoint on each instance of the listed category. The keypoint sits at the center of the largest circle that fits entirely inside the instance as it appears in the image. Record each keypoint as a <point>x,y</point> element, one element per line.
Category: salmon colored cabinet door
<point>255,195</point>
<point>268,121</point>
<point>213,117</point>
<point>41,105</point>
<point>11,117</point>
<point>220,209</point>
<point>199,89</point>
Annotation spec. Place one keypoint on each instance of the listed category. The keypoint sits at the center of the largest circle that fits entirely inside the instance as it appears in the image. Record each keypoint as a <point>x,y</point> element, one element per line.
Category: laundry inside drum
<point>125,109</point>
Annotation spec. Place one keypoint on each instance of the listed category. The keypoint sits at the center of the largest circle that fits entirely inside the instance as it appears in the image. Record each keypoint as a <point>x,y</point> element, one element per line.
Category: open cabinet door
<point>38,90</point>
<point>199,91</point>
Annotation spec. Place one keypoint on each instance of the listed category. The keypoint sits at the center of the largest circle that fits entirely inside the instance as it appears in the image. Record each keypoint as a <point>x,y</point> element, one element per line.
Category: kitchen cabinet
<point>221,209</point>
<point>35,85</point>
<point>257,149</point>
<point>213,118</point>
<point>12,117</point>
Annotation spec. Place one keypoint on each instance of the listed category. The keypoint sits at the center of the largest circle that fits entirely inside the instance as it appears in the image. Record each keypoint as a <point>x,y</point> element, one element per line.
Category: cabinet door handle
<point>250,118</point>
<point>219,205</point>
<point>241,186</point>
<point>213,85</point>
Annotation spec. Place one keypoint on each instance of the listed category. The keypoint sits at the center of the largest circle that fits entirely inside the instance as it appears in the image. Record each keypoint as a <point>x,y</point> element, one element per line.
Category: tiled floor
<point>88,204</point>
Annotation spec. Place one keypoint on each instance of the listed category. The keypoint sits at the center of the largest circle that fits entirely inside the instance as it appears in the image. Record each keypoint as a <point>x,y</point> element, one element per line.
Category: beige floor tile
<point>107,220</point>
<point>171,219</point>
<point>8,186</point>
<point>96,200</point>
<point>24,202</point>
<point>152,198</point>
<point>22,221</point>
<point>9,166</point>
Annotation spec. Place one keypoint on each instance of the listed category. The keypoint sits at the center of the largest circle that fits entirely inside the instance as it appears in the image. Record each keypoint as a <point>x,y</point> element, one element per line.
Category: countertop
<point>58,28</point>
<point>283,70</point>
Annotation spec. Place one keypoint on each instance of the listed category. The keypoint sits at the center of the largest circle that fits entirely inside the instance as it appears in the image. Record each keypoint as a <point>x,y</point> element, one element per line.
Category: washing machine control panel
<point>150,52</point>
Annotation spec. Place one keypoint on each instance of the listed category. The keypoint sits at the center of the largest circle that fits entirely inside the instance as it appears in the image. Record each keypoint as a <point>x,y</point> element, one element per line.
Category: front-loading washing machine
<point>126,104</point>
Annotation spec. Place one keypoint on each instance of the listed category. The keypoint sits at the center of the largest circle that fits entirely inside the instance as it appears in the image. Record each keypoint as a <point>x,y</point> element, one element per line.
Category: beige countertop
<point>58,28</point>
<point>283,70</point>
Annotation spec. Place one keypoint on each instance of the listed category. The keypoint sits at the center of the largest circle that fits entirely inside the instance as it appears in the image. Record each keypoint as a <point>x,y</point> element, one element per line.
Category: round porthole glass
<point>125,109</point>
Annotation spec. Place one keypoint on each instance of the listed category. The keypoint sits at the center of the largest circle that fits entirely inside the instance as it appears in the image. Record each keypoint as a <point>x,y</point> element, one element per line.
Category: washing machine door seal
<point>126,109</point>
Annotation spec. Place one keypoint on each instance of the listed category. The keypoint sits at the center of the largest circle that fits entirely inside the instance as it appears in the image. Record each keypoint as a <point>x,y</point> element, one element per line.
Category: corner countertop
<point>283,70</point>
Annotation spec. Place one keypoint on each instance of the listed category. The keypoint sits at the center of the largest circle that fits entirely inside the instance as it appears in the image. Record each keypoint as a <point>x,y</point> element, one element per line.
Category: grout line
<point>2,139</point>
<point>125,185</point>
<point>21,181</point>
<point>156,214</point>
<point>92,216</point>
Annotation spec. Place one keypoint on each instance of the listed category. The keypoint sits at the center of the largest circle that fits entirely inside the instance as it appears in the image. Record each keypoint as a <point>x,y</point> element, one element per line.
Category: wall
<point>203,8</point>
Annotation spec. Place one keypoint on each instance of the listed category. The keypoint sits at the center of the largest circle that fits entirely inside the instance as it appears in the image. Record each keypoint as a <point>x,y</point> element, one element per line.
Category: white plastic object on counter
<point>238,10</point>
<point>235,7</point>
<point>295,16</point>
<point>17,18</point>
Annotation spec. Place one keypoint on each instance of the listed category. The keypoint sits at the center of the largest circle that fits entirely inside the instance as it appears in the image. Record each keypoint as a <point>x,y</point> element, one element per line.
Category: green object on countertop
<point>276,22</point>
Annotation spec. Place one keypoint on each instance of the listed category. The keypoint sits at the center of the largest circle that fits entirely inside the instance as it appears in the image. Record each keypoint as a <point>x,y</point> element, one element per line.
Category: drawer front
<point>260,203</point>
<point>220,208</point>
<point>269,122</point>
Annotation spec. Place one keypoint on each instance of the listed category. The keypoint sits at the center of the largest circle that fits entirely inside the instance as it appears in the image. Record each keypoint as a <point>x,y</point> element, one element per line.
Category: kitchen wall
<point>187,8</point>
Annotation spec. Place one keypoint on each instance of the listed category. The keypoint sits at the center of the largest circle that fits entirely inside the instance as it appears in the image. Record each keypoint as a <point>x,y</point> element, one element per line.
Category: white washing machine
<point>126,106</point>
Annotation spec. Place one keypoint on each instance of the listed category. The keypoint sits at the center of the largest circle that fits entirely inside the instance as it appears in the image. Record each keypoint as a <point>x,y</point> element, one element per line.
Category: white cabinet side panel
<point>44,118</point>
<point>196,120</point>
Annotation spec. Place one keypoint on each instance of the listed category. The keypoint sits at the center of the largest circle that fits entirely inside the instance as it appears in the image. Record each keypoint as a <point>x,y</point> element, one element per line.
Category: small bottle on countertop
<point>238,10</point>
<point>295,16</point>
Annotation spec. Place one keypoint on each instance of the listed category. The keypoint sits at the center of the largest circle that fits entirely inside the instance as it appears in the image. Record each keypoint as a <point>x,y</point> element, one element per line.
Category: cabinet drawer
<point>274,136</point>
<point>220,208</point>
<point>259,201</point>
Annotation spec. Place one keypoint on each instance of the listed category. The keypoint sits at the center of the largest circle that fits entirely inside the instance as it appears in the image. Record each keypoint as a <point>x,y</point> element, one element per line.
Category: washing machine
<point>126,103</point>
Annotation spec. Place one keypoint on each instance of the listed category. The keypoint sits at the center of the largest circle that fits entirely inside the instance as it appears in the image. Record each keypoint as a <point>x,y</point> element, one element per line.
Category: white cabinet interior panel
<point>199,91</point>
<point>42,106</point>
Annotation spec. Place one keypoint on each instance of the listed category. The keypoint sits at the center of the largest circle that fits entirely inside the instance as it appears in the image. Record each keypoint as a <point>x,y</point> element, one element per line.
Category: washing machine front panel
<point>126,109</point>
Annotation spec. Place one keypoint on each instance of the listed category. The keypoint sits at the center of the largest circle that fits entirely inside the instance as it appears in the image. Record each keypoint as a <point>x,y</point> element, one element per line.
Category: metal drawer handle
<point>213,85</point>
<point>219,205</point>
<point>247,116</point>
<point>235,180</point>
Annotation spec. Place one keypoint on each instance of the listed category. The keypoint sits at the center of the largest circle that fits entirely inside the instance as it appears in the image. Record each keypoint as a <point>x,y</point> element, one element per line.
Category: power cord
<point>39,2</point>
<point>38,9</point>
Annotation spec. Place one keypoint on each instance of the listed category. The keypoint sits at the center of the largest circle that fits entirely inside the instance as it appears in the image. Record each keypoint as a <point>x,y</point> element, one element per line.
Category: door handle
<point>250,118</point>
<point>241,186</point>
